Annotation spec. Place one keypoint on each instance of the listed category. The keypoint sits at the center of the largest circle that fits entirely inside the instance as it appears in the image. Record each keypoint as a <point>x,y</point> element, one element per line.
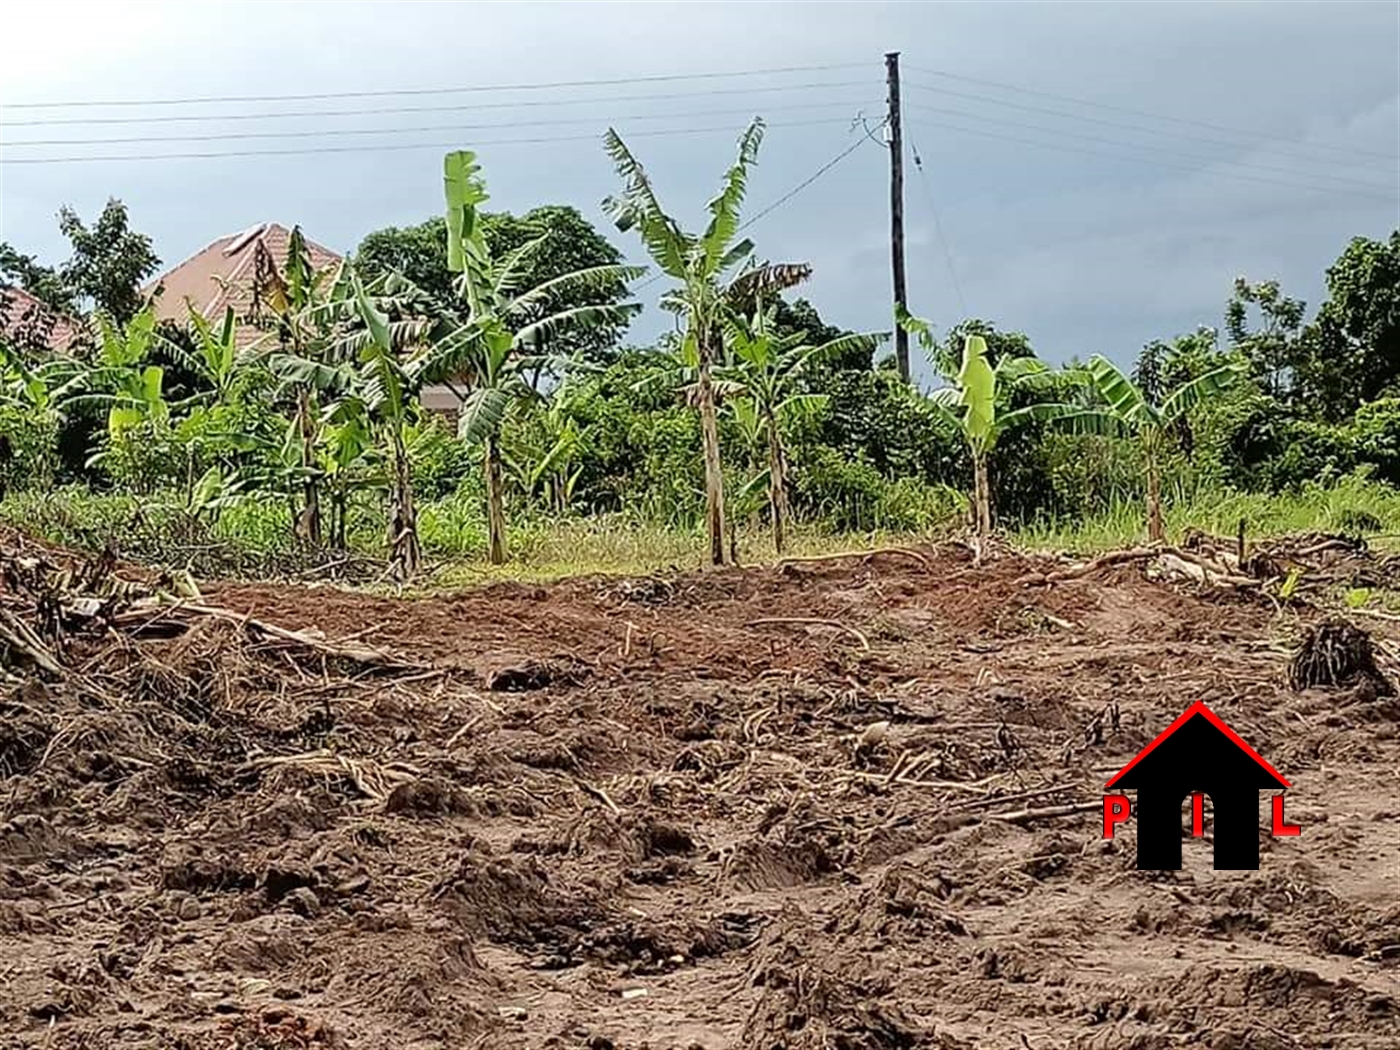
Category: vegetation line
<point>455,403</point>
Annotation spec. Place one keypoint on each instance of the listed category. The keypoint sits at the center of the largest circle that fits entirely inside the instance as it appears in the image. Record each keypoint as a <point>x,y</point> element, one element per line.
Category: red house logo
<point>1197,755</point>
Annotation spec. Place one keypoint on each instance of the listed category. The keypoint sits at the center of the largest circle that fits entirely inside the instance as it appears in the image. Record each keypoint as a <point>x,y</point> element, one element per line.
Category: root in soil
<point>1336,654</point>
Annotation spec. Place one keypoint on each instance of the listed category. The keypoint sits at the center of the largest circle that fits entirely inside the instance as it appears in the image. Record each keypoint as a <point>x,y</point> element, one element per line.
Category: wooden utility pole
<point>896,146</point>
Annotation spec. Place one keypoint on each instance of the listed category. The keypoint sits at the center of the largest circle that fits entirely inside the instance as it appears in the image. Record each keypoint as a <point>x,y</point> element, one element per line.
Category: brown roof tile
<point>20,311</point>
<point>222,275</point>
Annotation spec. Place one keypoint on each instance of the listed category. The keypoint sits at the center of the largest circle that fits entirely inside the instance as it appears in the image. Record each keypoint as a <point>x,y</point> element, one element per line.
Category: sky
<point>1093,174</point>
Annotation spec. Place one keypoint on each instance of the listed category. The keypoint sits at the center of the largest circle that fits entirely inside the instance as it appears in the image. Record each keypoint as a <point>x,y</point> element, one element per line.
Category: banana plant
<point>217,359</point>
<point>1129,409</point>
<point>31,395</point>
<point>348,447</point>
<point>491,349</point>
<point>715,274</point>
<point>767,370</point>
<point>37,389</point>
<point>976,403</point>
<point>120,381</point>
<point>302,304</point>
<point>386,352</point>
<point>555,471</point>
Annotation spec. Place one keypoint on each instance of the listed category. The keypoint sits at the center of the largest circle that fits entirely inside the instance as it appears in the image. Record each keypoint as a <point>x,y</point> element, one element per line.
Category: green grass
<point>1353,505</point>
<point>543,552</point>
<point>251,539</point>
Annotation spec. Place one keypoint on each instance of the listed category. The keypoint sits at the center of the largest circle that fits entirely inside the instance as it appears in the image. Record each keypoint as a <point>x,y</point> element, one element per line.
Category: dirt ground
<point>761,808</point>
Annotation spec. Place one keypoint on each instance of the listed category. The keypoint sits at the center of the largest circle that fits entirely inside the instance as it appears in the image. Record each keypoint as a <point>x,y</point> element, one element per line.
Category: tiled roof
<point>222,275</point>
<point>19,310</point>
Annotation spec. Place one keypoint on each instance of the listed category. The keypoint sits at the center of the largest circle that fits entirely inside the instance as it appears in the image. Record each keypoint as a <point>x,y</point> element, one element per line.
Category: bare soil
<point>665,813</point>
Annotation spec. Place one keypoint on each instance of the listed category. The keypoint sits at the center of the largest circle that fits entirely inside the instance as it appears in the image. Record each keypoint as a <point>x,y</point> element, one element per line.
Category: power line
<point>1142,113</point>
<point>1130,127</point>
<point>804,183</point>
<point>401,92</point>
<point>1151,149</point>
<point>223,136</point>
<point>455,108</point>
<point>775,205</point>
<point>938,228</point>
<point>1160,164</point>
<point>390,147</point>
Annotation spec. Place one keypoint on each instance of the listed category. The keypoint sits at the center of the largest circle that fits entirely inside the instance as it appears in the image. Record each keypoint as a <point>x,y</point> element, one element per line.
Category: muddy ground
<point>654,813</point>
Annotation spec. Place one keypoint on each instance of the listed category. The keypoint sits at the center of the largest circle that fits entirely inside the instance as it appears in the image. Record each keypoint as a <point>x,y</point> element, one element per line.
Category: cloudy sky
<point>1100,172</point>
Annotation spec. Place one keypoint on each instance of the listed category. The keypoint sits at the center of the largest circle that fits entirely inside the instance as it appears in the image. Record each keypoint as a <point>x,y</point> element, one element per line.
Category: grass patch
<point>252,538</point>
<point>1354,505</point>
<point>614,546</point>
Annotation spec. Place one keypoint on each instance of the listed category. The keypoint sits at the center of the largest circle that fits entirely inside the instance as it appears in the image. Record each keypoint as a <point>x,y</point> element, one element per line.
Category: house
<point>1198,753</point>
<point>222,275</point>
<point>31,324</point>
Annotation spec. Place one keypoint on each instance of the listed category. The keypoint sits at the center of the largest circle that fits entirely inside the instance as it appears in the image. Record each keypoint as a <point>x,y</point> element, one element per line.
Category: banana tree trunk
<point>339,502</point>
<point>309,522</point>
<point>405,554</point>
<point>1155,532</point>
<point>982,497</point>
<point>777,486</point>
<point>714,476</point>
<point>495,503</point>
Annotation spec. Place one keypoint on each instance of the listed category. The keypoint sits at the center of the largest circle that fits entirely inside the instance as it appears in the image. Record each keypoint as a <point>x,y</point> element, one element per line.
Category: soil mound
<point>833,803</point>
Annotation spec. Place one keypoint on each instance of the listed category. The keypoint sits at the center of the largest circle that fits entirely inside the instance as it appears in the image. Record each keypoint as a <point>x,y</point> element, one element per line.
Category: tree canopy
<point>1351,353</point>
<point>107,265</point>
<point>572,243</point>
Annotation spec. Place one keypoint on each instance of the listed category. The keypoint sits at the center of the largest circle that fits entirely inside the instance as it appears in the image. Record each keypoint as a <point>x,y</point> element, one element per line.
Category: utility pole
<point>896,147</point>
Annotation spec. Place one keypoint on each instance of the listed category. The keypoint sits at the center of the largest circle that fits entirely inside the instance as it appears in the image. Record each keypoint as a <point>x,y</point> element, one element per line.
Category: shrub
<point>28,448</point>
<point>850,495</point>
<point>441,463</point>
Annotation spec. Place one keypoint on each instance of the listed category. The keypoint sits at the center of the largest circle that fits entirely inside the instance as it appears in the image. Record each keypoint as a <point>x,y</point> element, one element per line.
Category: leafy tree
<point>768,369</point>
<point>639,452</point>
<point>571,244</point>
<point>109,261</point>
<point>875,416</point>
<point>1351,353</point>
<point>43,282</point>
<point>1130,409</point>
<point>1272,348</point>
<point>800,317</point>
<point>505,319</point>
<point>703,265</point>
<point>417,253</point>
<point>946,355</point>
